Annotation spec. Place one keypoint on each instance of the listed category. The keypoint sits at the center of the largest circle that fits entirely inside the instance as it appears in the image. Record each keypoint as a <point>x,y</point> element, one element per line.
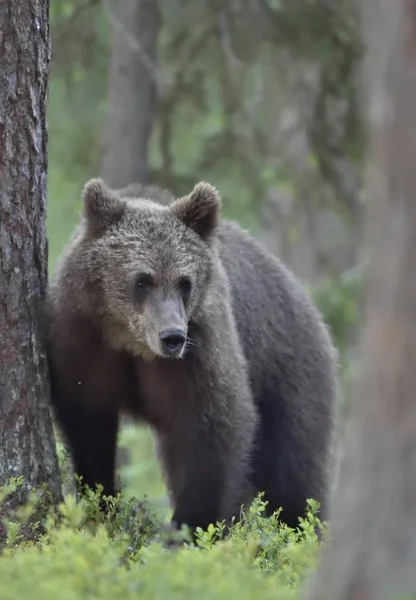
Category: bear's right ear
<point>102,207</point>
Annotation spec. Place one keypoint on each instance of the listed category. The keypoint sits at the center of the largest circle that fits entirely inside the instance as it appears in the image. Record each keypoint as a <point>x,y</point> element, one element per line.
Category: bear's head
<point>151,265</point>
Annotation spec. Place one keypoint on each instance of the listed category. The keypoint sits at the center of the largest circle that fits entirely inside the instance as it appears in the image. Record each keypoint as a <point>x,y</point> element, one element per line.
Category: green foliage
<point>142,475</point>
<point>337,298</point>
<point>81,555</point>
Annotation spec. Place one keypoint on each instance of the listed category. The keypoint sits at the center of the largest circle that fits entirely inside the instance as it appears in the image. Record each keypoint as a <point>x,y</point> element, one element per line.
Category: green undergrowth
<point>75,553</point>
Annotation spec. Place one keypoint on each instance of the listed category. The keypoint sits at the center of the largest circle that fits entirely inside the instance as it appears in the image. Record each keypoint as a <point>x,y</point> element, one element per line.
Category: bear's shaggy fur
<point>246,404</point>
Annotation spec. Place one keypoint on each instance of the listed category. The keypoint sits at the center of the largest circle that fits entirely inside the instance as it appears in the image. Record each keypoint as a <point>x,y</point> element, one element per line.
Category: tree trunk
<point>373,551</point>
<point>132,91</point>
<point>27,443</point>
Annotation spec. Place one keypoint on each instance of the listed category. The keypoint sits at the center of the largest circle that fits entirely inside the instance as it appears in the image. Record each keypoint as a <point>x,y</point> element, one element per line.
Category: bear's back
<point>281,330</point>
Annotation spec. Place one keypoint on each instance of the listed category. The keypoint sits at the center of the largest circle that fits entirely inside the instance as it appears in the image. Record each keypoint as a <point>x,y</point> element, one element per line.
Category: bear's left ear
<point>200,210</point>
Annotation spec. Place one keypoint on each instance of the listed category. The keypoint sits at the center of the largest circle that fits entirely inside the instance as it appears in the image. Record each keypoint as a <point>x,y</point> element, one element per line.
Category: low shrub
<point>79,554</point>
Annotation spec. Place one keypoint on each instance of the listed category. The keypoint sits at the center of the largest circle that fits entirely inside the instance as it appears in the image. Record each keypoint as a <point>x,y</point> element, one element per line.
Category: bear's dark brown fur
<point>161,311</point>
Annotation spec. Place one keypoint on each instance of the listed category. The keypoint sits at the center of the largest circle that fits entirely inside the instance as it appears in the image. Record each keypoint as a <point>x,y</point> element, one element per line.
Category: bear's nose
<point>172,340</point>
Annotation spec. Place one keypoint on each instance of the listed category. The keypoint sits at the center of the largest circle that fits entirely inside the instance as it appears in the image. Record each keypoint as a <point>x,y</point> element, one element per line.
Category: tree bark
<point>132,91</point>
<point>27,443</point>
<point>373,550</point>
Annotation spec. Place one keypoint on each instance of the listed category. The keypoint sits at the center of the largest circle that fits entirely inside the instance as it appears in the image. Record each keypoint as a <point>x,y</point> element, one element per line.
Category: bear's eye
<point>143,282</point>
<point>185,285</point>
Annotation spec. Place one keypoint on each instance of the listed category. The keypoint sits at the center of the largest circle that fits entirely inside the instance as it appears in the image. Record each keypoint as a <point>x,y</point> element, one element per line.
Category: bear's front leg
<point>207,452</point>
<point>88,384</point>
<point>203,470</point>
<point>89,430</point>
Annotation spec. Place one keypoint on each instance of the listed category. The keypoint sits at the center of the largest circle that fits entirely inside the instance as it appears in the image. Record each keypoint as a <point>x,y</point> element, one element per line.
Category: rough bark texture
<point>27,443</point>
<point>373,554</point>
<point>132,91</point>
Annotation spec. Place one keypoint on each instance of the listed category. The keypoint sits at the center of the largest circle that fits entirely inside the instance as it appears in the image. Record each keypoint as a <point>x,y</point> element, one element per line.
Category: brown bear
<point>160,310</point>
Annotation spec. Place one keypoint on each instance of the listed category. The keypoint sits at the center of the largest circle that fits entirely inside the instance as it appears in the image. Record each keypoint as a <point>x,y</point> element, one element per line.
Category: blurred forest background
<point>258,97</point>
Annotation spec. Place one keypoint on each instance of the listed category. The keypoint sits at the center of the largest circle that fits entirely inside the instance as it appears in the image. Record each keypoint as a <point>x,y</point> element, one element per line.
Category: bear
<point>162,310</point>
